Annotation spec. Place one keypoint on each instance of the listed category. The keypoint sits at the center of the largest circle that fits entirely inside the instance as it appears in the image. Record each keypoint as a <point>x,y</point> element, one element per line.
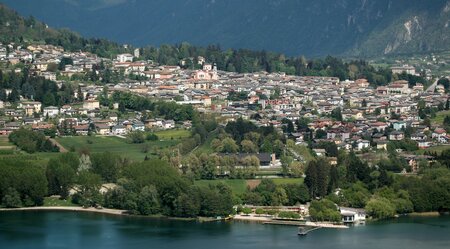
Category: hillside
<point>15,28</point>
<point>310,27</point>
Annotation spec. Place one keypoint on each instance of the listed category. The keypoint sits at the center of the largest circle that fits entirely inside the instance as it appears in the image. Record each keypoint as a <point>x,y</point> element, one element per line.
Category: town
<point>318,117</point>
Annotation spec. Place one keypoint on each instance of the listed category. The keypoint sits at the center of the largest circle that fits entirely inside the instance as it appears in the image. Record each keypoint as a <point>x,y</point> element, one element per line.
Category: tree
<point>279,197</point>
<point>60,177</point>
<point>106,165</point>
<point>65,61</point>
<point>248,146</point>
<point>12,199</point>
<point>188,204</point>
<point>148,202</point>
<point>380,208</point>
<point>317,177</point>
<point>296,193</point>
<point>14,95</point>
<point>88,188</point>
<point>337,114</point>
<point>229,146</point>
<point>136,137</point>
<point>324,210</point>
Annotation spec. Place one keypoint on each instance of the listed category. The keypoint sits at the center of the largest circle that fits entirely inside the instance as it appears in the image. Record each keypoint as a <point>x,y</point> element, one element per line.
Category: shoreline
<point>424,214</point>
<point>117,212</point>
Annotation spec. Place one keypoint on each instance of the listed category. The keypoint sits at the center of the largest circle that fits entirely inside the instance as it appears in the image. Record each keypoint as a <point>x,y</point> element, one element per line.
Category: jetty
<point>302,231</point>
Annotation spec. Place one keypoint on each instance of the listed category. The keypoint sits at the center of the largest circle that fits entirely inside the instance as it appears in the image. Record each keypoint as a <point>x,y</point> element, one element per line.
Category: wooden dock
<point>303,231</point>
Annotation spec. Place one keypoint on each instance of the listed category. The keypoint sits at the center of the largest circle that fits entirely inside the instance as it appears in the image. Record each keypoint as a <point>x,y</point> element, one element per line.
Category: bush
<point>380,208</point>
<point>152,137</point>
<point>12,199</point>
<point>259,211</point>
<point>246,210</point>
<point>32,141</point>
<point>289,215</point>
<point>324,210</point>
<point>136,137</point>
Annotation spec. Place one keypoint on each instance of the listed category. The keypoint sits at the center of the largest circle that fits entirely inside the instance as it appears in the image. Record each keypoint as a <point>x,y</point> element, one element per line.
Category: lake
<point>50,229</point>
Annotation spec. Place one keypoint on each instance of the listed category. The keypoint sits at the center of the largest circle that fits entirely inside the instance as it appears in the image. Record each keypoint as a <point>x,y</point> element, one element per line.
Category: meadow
<point>98,144</point>
<point>239,186</point>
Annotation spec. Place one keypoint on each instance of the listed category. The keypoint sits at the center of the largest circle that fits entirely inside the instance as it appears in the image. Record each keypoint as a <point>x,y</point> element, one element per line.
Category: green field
<point>114,145</point>
<point>440,116</point>
<point>437,149</point>
<point>56,202</point>
<point>4,141</point>
<point>239,186</point>
<point>279,181</point>
<point>173,134</point>
<point>206,146</point>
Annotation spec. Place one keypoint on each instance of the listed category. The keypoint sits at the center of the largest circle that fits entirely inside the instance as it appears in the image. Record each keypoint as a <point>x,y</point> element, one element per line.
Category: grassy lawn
<point>113,144</point>
<point>440,116</point>
<point>279,181</point>
<point>437,149</point>
<point>173,134</point>
<point>238,186</point>
<point>303,151</point>
<point>56,202</point>
<point>4,141</point>
<point>206,146</point>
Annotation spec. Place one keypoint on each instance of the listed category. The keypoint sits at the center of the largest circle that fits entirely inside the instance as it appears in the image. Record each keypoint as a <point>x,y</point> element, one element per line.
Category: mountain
<point>310,27</point>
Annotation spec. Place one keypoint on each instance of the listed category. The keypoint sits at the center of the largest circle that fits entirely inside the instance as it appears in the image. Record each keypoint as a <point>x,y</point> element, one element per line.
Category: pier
<point>302,231</point>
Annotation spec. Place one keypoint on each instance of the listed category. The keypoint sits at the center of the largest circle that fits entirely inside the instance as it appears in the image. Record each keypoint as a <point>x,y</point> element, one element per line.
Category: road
<point>432,87</point>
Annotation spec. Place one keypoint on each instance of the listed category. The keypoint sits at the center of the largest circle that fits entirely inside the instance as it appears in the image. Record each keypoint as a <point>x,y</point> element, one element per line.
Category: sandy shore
<point>429,214</point>
<point>251,218</point>
<point>72,209</point>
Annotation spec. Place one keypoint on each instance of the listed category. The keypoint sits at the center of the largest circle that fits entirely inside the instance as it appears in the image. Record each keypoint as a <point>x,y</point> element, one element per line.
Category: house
<point>266,160</point>
<point>423,144</point>
<point>362,144</point>
<point>418,136</point>
<point>399,125</point>
<point>119,130</point>
<point>150,123</point>
<point>51,111</point>
<point>381,145</point>
<point>81,130</point>
<point>352,215</point>
<point>33,106</point>
<point>405,68</point>
<point>396,136</point>
<point>438,133</point>
<point>138,126</point>
<point>91,104</point>
<point>102,129</point>
<point>121,58</point>
<point>320,152</point>
<point>168,124</point>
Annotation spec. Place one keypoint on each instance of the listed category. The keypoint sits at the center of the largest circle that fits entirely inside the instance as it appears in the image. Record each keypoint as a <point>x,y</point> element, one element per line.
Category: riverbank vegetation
<point>155,187</point>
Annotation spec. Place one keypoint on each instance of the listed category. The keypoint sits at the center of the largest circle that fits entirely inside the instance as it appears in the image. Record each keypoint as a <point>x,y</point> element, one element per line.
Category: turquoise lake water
<point>44,229</point>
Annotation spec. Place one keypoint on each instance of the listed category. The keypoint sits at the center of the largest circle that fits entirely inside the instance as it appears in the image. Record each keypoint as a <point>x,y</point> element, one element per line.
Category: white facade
<point>352,215</point>
<point>51,111</point>
<point>124,58</point>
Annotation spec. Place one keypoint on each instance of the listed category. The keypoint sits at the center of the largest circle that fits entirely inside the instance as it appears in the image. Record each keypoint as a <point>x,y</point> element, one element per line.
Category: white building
<point>119,130</point>
<point>51,111</point>
<point>405,68</point>
<point>352,215</point>
<point>124,58</point>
